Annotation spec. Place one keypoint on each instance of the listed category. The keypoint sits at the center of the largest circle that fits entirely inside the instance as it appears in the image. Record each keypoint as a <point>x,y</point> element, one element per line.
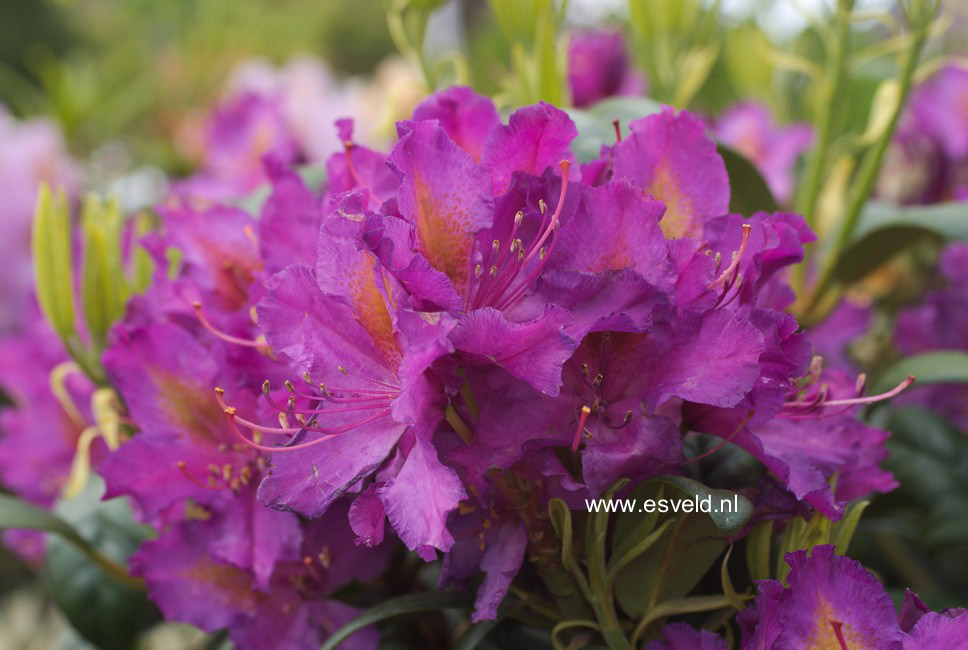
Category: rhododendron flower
<point>598,67</point>
<point>33,153</point>
<point>833,602</point>
<point>749,129</point>
<point>223,560</point>
<point>933,324</point>
<point>928,159</point>
<point>234,140</point>
<point>682,636</point>
<point>39,432</point>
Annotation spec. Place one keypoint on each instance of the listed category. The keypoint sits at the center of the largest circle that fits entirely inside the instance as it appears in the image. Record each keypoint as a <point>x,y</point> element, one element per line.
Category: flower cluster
<point>452,335</point>
<point>928,160</point>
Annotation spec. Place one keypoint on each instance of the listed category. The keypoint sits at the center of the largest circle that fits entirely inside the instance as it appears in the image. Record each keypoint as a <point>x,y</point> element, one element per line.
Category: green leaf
<point>936,367</point>
<point>595,124</point>
<point>17,514</point>
<point>748,191</point>
<point>406,604</point>
<point>476,632</point>
<point>53,266</point>
<point>843,530</point>
<point>883,229</point>
<point>758,547</point>
<point>109,613</point>
<point>729,511</point>
<point>617,562</point>
<point>678,559</point>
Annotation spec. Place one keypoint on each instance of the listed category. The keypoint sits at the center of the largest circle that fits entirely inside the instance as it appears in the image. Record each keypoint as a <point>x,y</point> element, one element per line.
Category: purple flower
<point>598,67</point>
<point>239,133</point>
<point>336,324</point>
<point>223,559</point>
<point>749,129</point>
<point>832,601</point>
<point>928,160</point>
<point>933,325</point>
<point>670,157</point>
<point>682,636</point>
<point>38,433</point>
<point>33,152</point>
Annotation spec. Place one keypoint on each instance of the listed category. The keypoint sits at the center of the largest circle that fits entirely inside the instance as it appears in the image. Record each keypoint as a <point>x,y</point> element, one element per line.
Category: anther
<point>289,386</point>
<point>617,125</point>
<point>265,387</point>
<point>308,379</point>
<point>542,206</point>
<point>518,218</point>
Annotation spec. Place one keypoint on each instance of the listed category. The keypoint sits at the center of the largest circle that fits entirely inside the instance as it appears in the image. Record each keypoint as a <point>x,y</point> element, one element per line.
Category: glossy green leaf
<point>884,229</point>
<point>18,514</point>
<point>748,191</point>
<point>936,367</point>
<point>595,124</point>
<point>109,613</point>
<point>406,604</point>
<point>729,511</point>
<point>688,548</point>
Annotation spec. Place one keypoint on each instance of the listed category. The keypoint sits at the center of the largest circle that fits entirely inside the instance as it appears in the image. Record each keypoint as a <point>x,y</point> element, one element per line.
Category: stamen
<point>308,563</point>
<point>233,419</point>
<point>228,338</point>
<point>184,470</point>
<point>725,441</point>
<point>582,419</point>
<point>821,402</point>
<point>737,256</point>
<point>616,124</point>
<point>897,390</point>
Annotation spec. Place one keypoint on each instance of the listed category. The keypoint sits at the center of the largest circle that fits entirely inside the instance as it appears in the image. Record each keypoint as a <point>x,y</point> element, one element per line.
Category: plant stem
<point>808,193</point>
<point>869,168</point>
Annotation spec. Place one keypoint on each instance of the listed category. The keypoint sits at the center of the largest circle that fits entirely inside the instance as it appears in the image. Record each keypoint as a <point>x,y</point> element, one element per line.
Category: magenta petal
<point>501,561</point>
<point>188,584</point>
<point>444,194</point>
<point>419,498</point>
<point>682,636</point>
<point>935,630</point>
<point>289,221</point>
<point>535,138</point>
<point>826,588</point>
<point>710,358</point>
<point>468,118</point>
<point>616,227</point>
<point>255,538</point>
<point>646,447</point>
<point>367,517</point>
<point>534,351</point>
<point>307,481</point>
<point>670,156</point>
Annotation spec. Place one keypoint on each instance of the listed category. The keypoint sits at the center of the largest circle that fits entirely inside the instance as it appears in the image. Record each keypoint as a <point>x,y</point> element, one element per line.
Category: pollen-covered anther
<point>308,379</point>
<point>266,387</point>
